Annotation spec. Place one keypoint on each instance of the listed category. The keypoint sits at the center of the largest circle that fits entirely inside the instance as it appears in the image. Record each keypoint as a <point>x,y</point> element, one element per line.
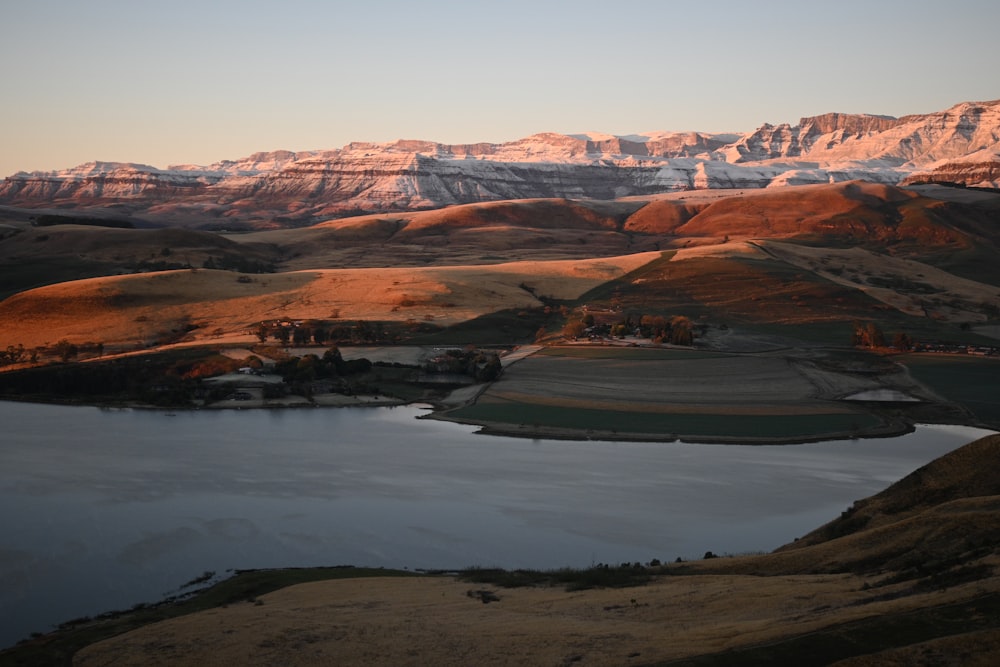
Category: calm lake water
<point>103,509</point>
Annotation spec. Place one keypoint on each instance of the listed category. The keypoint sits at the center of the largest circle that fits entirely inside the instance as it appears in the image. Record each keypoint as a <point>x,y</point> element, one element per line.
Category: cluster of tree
<point>676,330</point>
<point>359,333</point>
<point>238,263</point>
<point>869,335</point>
<point>64,351</point>
<point>309,368</point>
<point>483,366</point>
<point>145,379</point>
<point>15,354</point>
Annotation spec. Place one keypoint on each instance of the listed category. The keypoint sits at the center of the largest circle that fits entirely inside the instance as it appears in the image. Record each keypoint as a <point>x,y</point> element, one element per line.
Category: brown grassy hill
<point>32,256</point>
<point>662,216</point>
<point>135,311</point>
<point>853,211</point>
<point>940,522</point>
<point>952,484</point>
<point>845,213</point>
<point>539,229</point>
<point>889,219</point>
<point>829,272</point>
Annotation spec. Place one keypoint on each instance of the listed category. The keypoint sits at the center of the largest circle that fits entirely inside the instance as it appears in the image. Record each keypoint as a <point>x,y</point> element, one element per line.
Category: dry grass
<point>135,309</point>
<point>909,286</point>
<point>448,251</point>
<point>433,621</point>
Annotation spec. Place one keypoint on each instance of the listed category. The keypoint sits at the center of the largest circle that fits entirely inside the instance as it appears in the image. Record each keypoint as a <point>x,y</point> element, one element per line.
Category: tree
<point>13,354</point>
<point>333,361</point>
<point>363,332</point>
<point>875,337</point>
<point>573,329</point>
<point>902,341</point>
<point>491,370</point>
<point>66,350</point>
<point>653,326</point>
<point>253,361</point>
<point>681,331</point>
<point>261,332</point>
<point>868,334</point>
<point>305,370</point>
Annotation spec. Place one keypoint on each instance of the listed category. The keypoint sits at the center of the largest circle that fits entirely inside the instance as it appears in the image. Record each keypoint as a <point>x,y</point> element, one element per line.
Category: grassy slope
<point>936,530</point>
<point>750,289</point>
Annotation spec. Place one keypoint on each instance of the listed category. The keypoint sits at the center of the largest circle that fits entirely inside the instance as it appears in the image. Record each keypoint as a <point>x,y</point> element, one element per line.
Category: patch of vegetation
<point>239,263</point>
<point>625,575</point>
<point>169,378</point>
<point>245,586</point>
<point>156,379</point>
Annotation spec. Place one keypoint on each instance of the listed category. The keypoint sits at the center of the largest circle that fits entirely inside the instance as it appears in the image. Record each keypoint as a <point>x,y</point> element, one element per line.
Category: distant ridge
<point>960,145</point>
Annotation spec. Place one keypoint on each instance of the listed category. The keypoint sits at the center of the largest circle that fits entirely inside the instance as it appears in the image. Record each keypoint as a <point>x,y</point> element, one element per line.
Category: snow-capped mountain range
<point>284,188</point>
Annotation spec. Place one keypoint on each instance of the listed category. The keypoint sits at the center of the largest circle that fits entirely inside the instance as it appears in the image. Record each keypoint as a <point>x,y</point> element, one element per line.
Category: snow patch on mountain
<point>280,188</point>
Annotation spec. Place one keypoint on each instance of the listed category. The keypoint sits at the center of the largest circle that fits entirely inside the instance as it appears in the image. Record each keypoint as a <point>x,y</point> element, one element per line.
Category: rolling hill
<point>795,256</point>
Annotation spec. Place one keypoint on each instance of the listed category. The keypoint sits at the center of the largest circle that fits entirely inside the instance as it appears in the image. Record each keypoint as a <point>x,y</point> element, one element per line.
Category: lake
<point>103,509</point>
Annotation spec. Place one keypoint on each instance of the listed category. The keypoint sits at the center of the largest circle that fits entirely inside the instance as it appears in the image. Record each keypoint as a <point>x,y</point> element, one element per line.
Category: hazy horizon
<point>200,82</point>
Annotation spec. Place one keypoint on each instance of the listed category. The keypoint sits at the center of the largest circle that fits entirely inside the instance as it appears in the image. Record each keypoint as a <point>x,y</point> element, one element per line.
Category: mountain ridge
<point>960,145</point>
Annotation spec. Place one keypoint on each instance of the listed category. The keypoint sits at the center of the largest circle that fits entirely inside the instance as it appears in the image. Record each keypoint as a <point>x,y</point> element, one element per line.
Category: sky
<point>195,82</point>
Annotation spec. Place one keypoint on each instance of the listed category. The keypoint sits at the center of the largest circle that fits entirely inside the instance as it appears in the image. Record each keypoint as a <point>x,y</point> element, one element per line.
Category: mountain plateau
<point>960,145</point>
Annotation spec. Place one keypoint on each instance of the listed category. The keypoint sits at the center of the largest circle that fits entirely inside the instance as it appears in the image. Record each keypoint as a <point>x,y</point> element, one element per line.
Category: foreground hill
<point>285,189</point>
<point>908,576</point>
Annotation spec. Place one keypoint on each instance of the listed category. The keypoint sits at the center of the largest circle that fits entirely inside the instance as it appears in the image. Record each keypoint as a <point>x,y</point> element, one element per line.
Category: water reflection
<point>105,509</point>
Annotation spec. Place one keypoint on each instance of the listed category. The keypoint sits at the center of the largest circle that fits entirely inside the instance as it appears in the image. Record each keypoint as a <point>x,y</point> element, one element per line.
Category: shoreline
<point>889,429</point>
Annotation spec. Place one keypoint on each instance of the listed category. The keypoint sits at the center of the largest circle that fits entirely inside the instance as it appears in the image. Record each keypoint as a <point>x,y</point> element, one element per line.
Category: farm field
<point>630,393</point>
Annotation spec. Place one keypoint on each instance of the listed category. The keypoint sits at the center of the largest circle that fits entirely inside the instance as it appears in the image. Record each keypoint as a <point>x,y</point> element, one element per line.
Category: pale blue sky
<point>200,81</point>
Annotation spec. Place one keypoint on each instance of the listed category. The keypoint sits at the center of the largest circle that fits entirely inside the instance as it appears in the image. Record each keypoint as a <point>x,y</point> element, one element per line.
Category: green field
<point>799,427</point>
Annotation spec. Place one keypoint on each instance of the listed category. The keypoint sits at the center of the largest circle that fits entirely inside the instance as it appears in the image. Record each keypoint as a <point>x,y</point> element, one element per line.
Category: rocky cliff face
<point>284,188</point>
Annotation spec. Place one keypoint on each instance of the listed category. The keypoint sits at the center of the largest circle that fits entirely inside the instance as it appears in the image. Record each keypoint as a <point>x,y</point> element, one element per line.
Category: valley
<point>836,311</point>
<point>758,278</point>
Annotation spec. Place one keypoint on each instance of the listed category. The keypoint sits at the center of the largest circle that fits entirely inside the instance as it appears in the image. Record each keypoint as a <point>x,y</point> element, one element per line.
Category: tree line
<point>360,333</point>
<point>676,329</point>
